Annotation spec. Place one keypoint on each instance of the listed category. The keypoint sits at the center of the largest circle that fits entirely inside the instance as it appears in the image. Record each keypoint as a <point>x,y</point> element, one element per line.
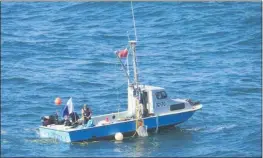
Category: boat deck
<point>80,127</point>
<point>59,127</point>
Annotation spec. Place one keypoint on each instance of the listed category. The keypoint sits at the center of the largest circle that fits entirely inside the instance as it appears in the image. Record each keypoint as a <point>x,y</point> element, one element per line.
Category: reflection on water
<point>132,146</point>
<point>153,145</point>
<point>43,140</point>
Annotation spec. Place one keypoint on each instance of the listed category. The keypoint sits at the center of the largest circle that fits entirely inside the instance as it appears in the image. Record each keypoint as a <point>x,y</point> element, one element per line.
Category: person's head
<point>85,107</point>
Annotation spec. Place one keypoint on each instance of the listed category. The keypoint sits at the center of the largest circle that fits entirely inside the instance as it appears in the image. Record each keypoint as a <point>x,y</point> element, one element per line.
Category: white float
<point>119,136</point>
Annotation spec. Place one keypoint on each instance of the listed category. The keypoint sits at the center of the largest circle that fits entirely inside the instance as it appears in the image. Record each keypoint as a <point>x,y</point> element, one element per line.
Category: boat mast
<point>138,114</point>
<point>133,45</point>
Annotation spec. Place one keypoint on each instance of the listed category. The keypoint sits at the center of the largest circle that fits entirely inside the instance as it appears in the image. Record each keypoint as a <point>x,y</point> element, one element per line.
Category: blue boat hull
<point>108,131</point>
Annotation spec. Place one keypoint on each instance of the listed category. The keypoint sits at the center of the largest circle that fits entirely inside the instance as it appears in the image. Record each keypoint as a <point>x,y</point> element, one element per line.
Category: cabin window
<point>177,106</point>
<point>161,95</point>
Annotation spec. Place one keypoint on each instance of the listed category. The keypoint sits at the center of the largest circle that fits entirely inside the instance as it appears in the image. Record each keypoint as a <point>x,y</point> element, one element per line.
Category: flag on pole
<point>68,109</point>
<point>122,54</point>
<point>70,106</point>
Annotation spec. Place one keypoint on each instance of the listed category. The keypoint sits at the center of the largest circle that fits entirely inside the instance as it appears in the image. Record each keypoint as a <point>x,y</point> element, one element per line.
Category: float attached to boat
<point>149,108</point>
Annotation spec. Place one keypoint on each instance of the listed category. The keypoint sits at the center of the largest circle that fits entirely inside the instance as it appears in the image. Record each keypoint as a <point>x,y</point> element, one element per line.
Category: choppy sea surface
<point>207,51</point>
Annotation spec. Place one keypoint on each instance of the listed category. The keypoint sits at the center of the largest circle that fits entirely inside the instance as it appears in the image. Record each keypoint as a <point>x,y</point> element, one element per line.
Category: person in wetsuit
<point>86,114</point>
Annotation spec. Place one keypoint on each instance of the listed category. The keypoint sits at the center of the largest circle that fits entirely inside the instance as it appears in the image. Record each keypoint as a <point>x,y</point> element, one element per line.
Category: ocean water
<point>207,51</point>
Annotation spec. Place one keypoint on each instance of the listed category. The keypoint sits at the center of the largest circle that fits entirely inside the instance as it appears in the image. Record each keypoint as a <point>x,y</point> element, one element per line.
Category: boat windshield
<point>161,95</point>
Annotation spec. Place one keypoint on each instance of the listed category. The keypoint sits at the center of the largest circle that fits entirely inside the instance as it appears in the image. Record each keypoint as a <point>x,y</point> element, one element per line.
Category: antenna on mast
<point>133,47</point>
<point>134,26</point>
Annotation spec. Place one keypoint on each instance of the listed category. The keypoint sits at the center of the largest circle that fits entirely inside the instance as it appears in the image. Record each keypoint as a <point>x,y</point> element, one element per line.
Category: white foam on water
<point>221,128</point>
<point>4,141</point>
<point>43,141</point>
<point>30,129</point>
<point>117,150</point>
<point>3,132</point>
<point>142,131</point>
<point>193,129</point>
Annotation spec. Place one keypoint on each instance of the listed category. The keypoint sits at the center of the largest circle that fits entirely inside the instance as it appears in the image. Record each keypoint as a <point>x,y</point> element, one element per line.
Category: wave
<point>220,128</point>
<point>3,132</point>
<point>4,141</point>
<point>42,140</point>
<point>76,6</point>
<point>17,80</point>
<point>100,63</point>
<point>245,91</point>
<point>193,129</point>
<point>87,83</point>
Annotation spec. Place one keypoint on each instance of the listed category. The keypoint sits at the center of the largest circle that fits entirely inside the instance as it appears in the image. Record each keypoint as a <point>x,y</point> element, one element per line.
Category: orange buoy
<point>58,101</point>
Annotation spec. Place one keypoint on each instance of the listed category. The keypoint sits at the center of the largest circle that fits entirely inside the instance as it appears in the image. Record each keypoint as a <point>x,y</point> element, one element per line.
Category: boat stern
<point>49,132</point>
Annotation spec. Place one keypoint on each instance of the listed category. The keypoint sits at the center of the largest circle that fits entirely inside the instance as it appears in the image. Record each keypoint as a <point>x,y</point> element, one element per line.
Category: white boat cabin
<point>155,101</point>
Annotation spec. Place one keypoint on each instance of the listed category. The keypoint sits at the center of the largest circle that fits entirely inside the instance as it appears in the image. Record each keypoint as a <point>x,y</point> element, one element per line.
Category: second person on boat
<point>86,114</point>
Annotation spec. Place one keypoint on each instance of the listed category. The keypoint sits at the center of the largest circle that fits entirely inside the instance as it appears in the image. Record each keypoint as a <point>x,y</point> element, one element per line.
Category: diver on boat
<point>74,117</point>
<point>51,119</point>
<point>86,114</point>
<point>67,122</point>
<point>45,120</point>
<point>71,119</point>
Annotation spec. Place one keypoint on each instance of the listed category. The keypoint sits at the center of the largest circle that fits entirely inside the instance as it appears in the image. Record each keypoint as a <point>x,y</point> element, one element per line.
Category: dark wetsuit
<point>87,115</point>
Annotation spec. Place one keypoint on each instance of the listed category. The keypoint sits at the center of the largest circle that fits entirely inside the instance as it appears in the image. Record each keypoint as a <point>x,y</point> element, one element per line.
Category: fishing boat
<point>148,109</point>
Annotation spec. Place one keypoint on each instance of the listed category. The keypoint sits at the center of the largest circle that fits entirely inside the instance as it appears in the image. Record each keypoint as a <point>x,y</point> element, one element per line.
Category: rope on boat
<point>117,91</point>
<point>117,88</point>
<point>136,117</point>
<point>141,129</point>
<point>157,124</point>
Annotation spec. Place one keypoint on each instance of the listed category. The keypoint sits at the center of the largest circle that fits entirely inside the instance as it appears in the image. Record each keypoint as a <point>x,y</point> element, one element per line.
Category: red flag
<point>123,53</point>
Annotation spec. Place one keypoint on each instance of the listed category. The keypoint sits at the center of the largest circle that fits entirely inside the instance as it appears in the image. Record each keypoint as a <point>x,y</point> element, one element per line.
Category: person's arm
<point>82,114</point>
<point>90,113</point>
